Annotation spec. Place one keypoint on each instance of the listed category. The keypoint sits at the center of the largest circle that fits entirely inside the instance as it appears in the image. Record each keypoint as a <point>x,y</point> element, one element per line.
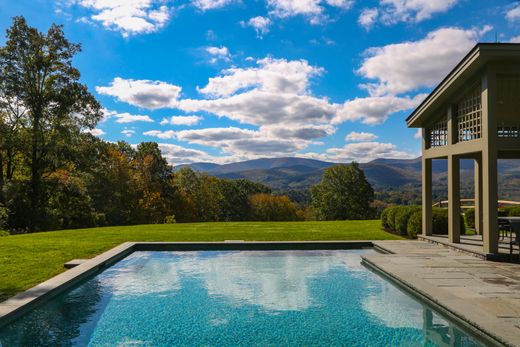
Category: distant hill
<point>400,175</point>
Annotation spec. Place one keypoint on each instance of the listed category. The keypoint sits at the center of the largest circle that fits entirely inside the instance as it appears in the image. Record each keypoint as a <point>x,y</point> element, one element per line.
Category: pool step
<point>74,263</point>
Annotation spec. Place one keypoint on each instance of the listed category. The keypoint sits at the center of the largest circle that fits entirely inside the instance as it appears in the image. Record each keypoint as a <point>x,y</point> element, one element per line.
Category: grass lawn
<point>26,260</point>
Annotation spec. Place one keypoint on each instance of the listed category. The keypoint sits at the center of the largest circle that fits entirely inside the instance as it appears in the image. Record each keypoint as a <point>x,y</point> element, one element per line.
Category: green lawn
<point>26,260</point>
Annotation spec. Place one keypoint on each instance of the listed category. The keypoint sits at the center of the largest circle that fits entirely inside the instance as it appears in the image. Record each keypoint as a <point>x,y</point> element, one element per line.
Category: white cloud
<point>302,132</point>
<point>271,75</point>
<point>129,17</point>
<point>313,10</point>
<point>218,53</point>
<point>143,93</point>
<point>265,108</point>
<point>515,39</point>
<point>513,14</point>
<point>176,155</point>
<point>408,66</point>
<point>205,5</point>
<point>182,120</point>
<point>95,131</point>
<point>362,152</point>
<point>368,17</point>
<point>128,132</point>
<point>375,109</point>
<point>360,137</point>
<point>126,117</point>
<point>237,142</point>
<point>394,11</point>
<point>418,134</point>
<point>165,135</point>
<point>259,23</point>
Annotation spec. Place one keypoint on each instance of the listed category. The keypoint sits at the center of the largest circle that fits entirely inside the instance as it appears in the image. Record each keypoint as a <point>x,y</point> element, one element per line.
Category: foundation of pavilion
<point>472,245</point>
<point>474,113</point>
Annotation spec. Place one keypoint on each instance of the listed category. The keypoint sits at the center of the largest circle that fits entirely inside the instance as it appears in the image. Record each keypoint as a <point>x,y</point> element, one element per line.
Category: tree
<point>344,193</point>
<point>36,72</point>
<point>267,207</point>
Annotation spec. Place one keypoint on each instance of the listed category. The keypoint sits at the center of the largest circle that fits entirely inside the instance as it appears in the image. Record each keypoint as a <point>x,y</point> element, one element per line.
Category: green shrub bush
<point>4,214</point>
<point>4,233</point>
<point>390,217</point>
<point>170,219</point>
<point>414,226</point>
<point>469,216</point>
<point>402,215</point>
<point>384,218</point>
<point>513,211</point>
<point>440,222</point>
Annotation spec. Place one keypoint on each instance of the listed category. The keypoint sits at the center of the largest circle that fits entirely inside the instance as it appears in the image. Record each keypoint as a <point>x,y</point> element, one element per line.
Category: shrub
<point>469,216</point>
<point>384,217</point>
<point>170,219</point>
<point>402,215</point>
<point>513,211</point>
<point>440,222</point>
<point>414,226</point>
<point>390,217</point>
<point>4,214</point>
<point>267,207</point>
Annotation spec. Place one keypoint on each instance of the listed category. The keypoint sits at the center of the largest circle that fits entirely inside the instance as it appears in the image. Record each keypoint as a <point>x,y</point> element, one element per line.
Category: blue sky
<point>229,80</point>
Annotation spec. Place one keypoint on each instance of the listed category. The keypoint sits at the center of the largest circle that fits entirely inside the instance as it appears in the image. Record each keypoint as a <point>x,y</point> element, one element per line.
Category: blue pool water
<point>266,298</point>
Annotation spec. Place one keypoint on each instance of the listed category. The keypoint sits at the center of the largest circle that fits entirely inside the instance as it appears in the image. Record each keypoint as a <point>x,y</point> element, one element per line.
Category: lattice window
<point>438,134</point>
<point>509,132</point>
<point>469,115</point>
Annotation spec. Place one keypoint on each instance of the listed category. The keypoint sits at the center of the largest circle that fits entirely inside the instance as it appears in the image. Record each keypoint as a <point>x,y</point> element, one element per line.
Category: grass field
<point>26,260</point>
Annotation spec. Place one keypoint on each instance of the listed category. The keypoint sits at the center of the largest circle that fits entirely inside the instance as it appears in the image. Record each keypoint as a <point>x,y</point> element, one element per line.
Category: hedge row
<point>407,221</point>
<point>510,211</point>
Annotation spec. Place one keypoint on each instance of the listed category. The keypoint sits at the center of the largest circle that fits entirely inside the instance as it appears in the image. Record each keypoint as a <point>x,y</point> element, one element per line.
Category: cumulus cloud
<point>259,23</point>
<point>360,137</point>
<point>218,53</point>
<point>128,17</point>
<point>513,14</point>
<point>375,109</point>
<point>262,108</point>
<point>128,132</point>
<point>143,93</point>
<point>126,117</point>
<point>362,152</point>
<point>271,75</point>
<point>176,155</point>
<point>418,134</point>
<point>205,5</point>
<point>303,132</point>
<point>169,134</point>
<point>237,142</point>
<point>368,17</point>
<point>95,131</point>
<point>313,10</point>
<point>182,120</point>
<point>408,66</point>
<point>394,11</point>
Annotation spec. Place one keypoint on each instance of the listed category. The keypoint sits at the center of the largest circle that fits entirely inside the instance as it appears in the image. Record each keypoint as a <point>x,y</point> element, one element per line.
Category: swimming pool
<point>230,298</point>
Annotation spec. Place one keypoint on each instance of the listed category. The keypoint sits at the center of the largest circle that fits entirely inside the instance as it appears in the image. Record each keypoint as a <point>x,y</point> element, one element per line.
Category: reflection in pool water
<point>235,298</point>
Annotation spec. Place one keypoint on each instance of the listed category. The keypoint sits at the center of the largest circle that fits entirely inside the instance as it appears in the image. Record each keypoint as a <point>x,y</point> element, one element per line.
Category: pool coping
<point>21,303</point>
<point>475,330</point>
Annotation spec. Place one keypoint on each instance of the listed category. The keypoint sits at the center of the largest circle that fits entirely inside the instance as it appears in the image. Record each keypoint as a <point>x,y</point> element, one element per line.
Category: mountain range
<point>284,174</point>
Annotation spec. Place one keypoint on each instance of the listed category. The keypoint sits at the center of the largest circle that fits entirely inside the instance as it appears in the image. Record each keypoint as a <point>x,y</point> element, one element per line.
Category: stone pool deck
<point>483,293</point>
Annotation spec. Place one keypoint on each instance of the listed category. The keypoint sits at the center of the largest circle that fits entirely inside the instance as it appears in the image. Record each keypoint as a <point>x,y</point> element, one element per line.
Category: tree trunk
<point>35,191</point>
<point>2,181</point>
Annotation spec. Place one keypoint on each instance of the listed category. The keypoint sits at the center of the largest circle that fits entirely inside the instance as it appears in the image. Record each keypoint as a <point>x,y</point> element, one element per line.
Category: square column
<point>453,199</point>
<point>478,194</point>
<point>426,196</point>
